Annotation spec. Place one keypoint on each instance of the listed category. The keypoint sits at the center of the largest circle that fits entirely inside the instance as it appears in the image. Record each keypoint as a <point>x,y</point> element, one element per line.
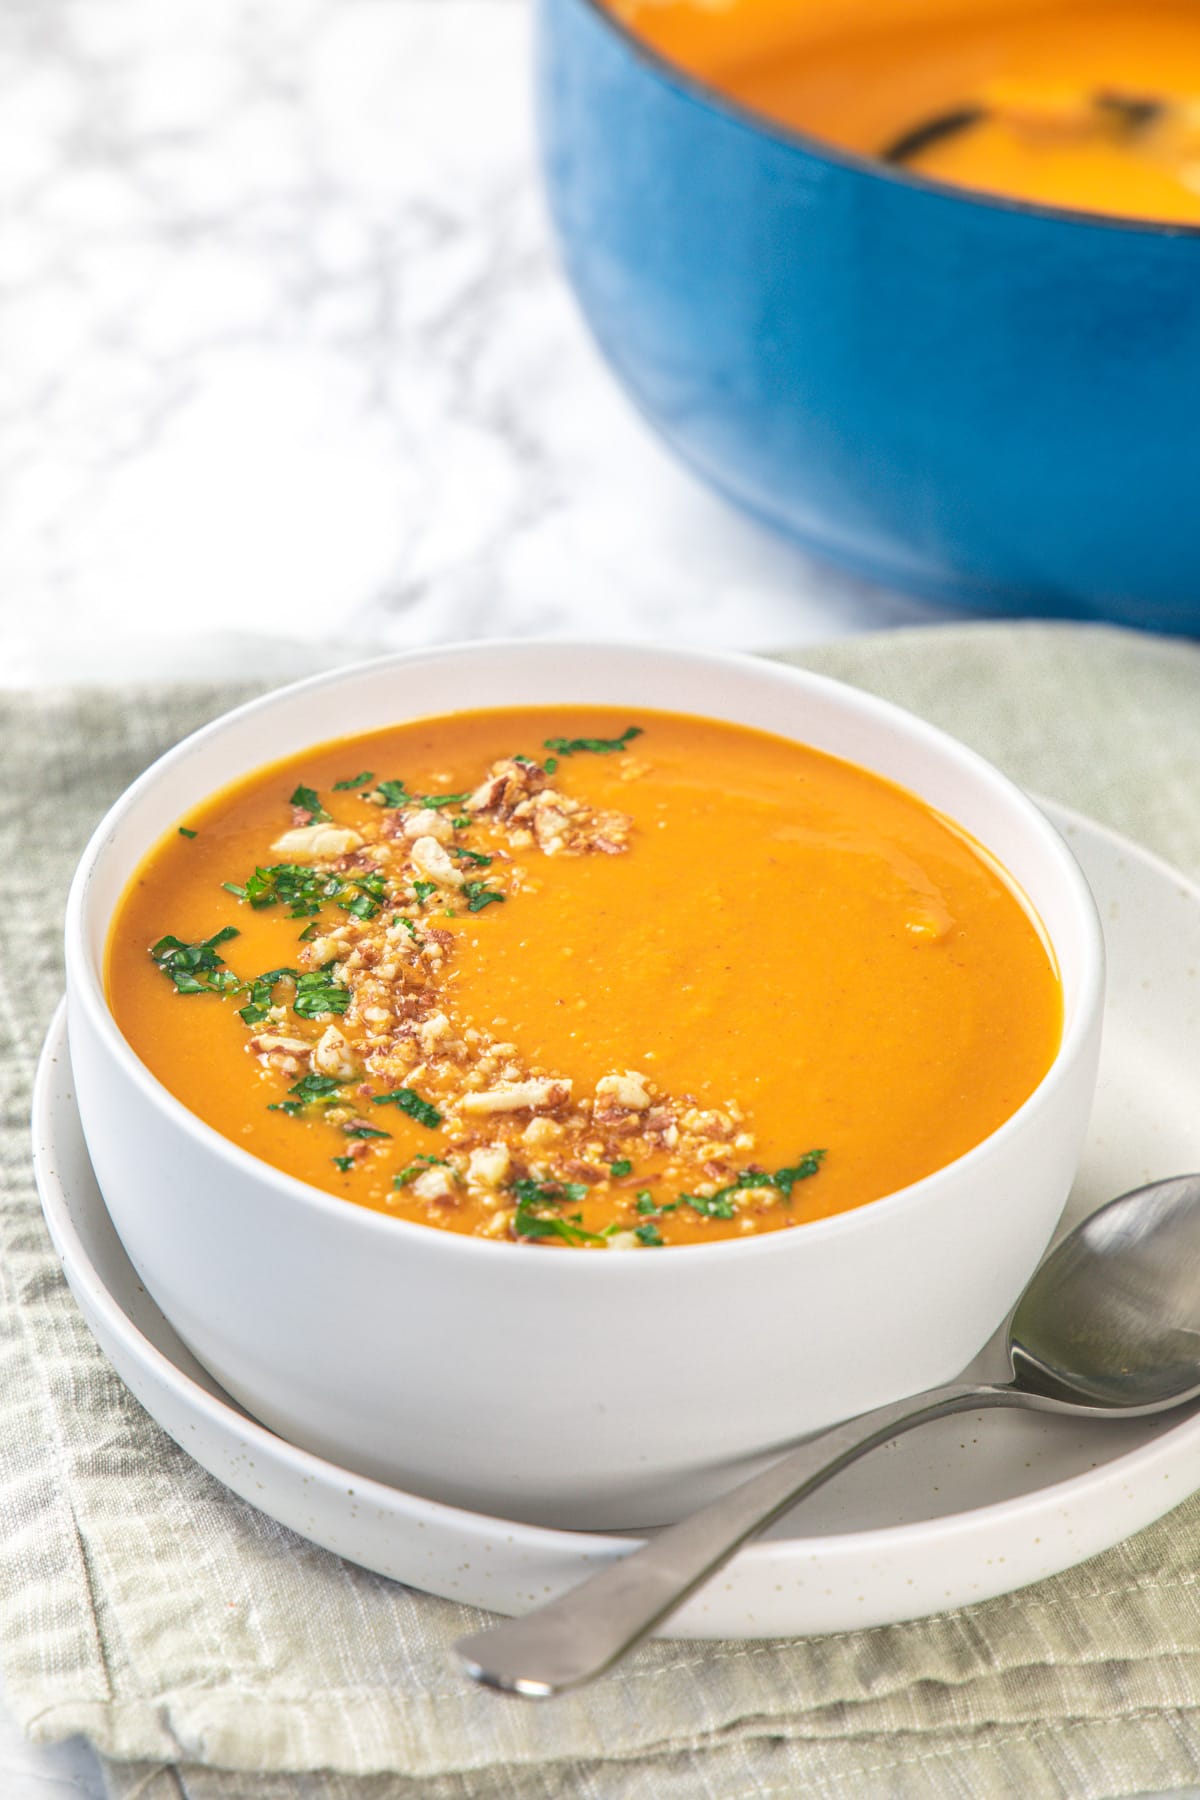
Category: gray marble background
<point>284,352</point>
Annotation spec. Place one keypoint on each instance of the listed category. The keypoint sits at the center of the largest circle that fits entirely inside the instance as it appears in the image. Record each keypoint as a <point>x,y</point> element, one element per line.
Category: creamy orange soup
<point>569,977</point>
<point>1088,104</point>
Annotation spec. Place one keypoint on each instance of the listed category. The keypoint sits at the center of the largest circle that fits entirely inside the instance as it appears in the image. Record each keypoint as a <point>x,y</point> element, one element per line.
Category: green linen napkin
<point>210,1653</point>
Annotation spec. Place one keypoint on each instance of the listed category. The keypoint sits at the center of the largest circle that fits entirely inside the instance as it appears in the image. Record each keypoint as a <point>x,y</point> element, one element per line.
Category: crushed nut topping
<point>370,1030</point>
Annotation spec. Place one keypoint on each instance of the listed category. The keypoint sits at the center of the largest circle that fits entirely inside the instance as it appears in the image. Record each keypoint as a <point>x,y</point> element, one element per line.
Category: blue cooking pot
<point>985,401</point>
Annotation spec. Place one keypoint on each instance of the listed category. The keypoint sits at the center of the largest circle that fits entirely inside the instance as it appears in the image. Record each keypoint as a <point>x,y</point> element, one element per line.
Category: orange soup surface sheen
<point>624,983</point>
<point>1092,105</point>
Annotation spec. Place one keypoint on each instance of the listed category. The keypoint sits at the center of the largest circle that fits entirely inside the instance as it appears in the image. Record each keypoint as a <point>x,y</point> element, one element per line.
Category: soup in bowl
<point>552,1078</point>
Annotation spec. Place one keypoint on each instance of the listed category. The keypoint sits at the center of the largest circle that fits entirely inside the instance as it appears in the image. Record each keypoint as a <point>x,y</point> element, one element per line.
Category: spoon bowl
<point>1111,1319</point>
<point>1108,1325</point>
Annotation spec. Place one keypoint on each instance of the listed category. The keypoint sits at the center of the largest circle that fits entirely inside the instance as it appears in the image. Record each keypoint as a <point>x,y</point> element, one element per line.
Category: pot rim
<point>706,95</point>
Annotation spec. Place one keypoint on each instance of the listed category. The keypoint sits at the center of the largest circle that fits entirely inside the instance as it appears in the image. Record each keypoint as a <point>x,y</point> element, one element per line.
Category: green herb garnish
<point>297,886</point>
<point>712,1206</point>
<point>622,1166</point>
<point>316,994</point>
<point>184,832</point>
<point>392,793</point>
<point>595,746</point>
<point>304,890</point>
<point>196,968</point>
<point>437,800</point>
<point>786,1179</point>
<point>475,857</point>
<point>551,764</point>
<point>364,1131</point>
<point>423,889</point>
<point>478,895</point>
<point>410,1102</point>
<point>344,1163</point>
<point>720,1205</point>
<point>262,995</point>
<point>312,1088</point>
<point>308,801</point>
<point>417,1167</point>
<point>648,1234</point>
<point>529,1224</point>
<point>355,781</point>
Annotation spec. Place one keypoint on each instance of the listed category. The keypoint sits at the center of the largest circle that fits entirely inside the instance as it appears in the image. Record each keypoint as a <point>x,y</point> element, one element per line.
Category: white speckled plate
<point>964,1509</point>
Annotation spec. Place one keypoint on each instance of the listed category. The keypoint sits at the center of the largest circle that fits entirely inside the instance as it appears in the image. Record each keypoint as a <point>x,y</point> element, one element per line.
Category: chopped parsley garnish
<point>309,933</point>
<point>395,793</point>
<point>595,746</point>
<point>479,895</point>
<point>418,1166</point>
<point>410,1102</point>
<point>196,968</point>
<point>622,1166</point>
<point>786,1179</point>
<point>531,1223</point>
<point>364,1131</point>
<point>316,994</point>
<point>649,1207</point>
<point>648,1234</point>
<point>315,1087</point>
<point>344,1163</point>
<point>475,857</point>
<point>262,995</point>
<point>551,764</point>
<point>423,889</point>
<point>392,793</point>
<point>184,832</point>
<point>436,800</point>
<point>720,1205</point>
<point>310,1090</point>
<point>308,801</point>
<point>531,1193</point>
<point>304,890</point>
<point>355,781</point>
<point>712,1206</point>
<point>408,924</point>
<point>372,892</point>
<point>295,885</point>
<point>461,824</point>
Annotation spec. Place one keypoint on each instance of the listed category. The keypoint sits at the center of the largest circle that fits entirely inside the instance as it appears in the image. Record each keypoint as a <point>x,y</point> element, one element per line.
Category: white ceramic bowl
<point>571,1389</point>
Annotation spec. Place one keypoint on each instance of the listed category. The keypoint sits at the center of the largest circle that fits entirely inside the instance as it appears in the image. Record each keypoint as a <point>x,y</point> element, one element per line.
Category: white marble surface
<point>283,349</point>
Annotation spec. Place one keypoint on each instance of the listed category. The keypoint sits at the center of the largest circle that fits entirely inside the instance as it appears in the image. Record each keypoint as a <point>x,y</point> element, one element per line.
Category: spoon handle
<point>583,1632</point>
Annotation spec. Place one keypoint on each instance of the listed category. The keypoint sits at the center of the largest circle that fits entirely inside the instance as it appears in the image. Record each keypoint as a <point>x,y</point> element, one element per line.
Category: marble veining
<point>286,351</point>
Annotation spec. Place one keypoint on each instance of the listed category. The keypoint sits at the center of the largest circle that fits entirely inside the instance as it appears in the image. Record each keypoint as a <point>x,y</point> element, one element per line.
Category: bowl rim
<point>710,97</point>
<point>85,986</point>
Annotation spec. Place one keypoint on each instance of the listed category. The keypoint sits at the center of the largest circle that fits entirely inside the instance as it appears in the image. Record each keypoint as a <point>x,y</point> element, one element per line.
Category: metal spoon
<point>1108,1326</point>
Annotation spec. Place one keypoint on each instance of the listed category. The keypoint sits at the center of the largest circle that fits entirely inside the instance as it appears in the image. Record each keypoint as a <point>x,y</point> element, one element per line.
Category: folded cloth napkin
<point>210,1653</point>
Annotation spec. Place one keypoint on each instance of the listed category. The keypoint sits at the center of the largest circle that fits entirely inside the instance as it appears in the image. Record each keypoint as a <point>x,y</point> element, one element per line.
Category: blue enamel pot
<point>983,401</point>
